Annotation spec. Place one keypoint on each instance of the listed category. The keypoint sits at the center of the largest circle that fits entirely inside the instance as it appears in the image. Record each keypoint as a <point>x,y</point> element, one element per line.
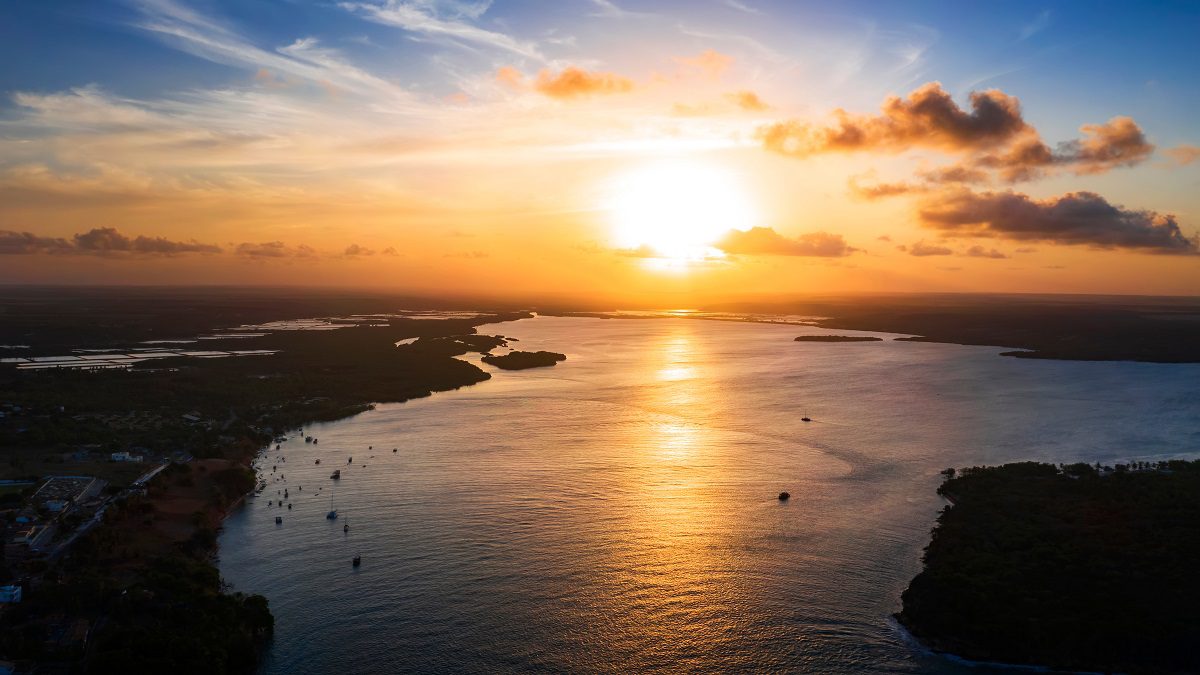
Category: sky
<point>616,150</point>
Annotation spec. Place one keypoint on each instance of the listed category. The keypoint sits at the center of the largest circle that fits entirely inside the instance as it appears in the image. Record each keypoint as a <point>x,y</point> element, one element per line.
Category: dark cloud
<point>928,117</point>
<point>99,241</point>
<point>274,249</point>
<point>978,251</point>
<point>354,250</point>
<point>27,243</point>
<point>1076,218</point>
<point>766,241</point>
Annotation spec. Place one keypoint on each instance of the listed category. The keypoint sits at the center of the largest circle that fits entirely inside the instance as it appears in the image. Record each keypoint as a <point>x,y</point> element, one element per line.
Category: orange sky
<point>687,171</point>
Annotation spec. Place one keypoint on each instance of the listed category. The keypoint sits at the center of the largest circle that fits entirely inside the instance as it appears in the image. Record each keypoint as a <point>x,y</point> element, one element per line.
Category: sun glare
<point>678,210</point>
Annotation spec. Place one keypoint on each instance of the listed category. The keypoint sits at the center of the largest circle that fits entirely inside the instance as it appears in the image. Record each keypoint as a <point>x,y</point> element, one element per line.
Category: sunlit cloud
<point>766,241</point>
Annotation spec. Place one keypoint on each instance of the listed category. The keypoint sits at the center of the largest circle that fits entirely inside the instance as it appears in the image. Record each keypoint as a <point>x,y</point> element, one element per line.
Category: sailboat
<point>806,418</point>
<point>332,515</point>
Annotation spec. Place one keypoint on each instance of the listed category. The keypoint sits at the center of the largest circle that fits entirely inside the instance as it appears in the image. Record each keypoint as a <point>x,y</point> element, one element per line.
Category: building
<point>126,457</point>
<point>59,493</point>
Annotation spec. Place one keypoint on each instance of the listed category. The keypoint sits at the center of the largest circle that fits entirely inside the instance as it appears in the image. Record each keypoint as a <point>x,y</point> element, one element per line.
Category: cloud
<point>880,190</point>
<point>509,76</point>
<point>609,10</point>
<point>574,82</point>
<point>978,251</point>
<point>98,241</point>
<point>643,251</point>
<point>928,117</point>
<point>711,63</point>
<point>1076,218</point>
<point>993,137</point>
<point>422,17</point>
<point>27,243</point>
<point>921,249</point>
<point>766,241</point>
<point>354,250</point>
<point>389,251</point>
<point>748,100</point>
<point>1116,143</point>
<point>1184,154</point>
<point>202,36</point>
<point>741,7</point>
<point>274,249</point>
<point>1037,25</point>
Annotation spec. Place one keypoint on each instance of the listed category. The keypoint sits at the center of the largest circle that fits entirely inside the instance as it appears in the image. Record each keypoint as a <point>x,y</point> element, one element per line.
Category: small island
<point>838,338</point>
<point>523,360</point>
<point>1077,567</point>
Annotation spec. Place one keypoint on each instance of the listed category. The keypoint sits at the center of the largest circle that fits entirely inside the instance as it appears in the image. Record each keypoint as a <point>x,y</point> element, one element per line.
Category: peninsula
<point>1075,567</point>
<point>160,399</point>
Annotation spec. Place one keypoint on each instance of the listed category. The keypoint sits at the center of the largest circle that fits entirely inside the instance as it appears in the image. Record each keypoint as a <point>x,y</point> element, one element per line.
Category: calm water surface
<point>618,512</point>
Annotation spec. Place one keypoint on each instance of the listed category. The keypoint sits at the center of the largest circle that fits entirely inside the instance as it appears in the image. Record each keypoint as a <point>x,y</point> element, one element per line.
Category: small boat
<point>308,439</point>
<point>806,418</point>
<point>276,446</point>
<point>357,560</point>
<point>278,520</point>
<point>784,496</point>
<point>350,460</point>
<point>336,474</point>
<point>332,515</point>
<point>314,441</point>
<point>395,449</point>
<point>318,461</point>
<point>289,506</point>
<point>370,447</point>
<point>346,527</point>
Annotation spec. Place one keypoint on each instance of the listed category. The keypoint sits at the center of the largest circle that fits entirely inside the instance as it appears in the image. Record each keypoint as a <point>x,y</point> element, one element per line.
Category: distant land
<point>1072,567</point>
<point>105,588</point>
<point>838,338</point>
<point>523,360</point>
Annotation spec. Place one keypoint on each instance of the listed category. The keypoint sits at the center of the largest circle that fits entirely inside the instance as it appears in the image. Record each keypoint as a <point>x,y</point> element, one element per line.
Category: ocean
<point>618,512</point>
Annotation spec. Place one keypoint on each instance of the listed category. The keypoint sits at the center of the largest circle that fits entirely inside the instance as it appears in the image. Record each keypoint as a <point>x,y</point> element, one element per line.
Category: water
<point>618,512</point>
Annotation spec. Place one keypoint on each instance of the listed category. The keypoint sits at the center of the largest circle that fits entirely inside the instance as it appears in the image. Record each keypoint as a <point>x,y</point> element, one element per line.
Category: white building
<point>125,457</point>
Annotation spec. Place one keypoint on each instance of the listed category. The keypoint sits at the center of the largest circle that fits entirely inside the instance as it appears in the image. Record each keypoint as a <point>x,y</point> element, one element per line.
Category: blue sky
<point>288,119</point>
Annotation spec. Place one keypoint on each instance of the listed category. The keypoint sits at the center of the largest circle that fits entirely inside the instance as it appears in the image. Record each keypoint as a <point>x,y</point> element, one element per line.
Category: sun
<point>678,209</point>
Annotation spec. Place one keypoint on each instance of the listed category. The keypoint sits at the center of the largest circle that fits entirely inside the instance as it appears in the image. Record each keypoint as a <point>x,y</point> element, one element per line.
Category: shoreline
<point>917,644</point>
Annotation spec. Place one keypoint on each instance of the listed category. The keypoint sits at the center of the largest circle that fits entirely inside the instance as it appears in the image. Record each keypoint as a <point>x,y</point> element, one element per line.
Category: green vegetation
<point>1071,567</point>
<point>838,338</point>
<point>522,360</point>
<point>139,592</point>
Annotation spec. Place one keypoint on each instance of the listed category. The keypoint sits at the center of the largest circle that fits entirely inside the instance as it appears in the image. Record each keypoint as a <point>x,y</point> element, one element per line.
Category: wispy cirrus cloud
<point>427,18</point>
<point>188,30</point>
